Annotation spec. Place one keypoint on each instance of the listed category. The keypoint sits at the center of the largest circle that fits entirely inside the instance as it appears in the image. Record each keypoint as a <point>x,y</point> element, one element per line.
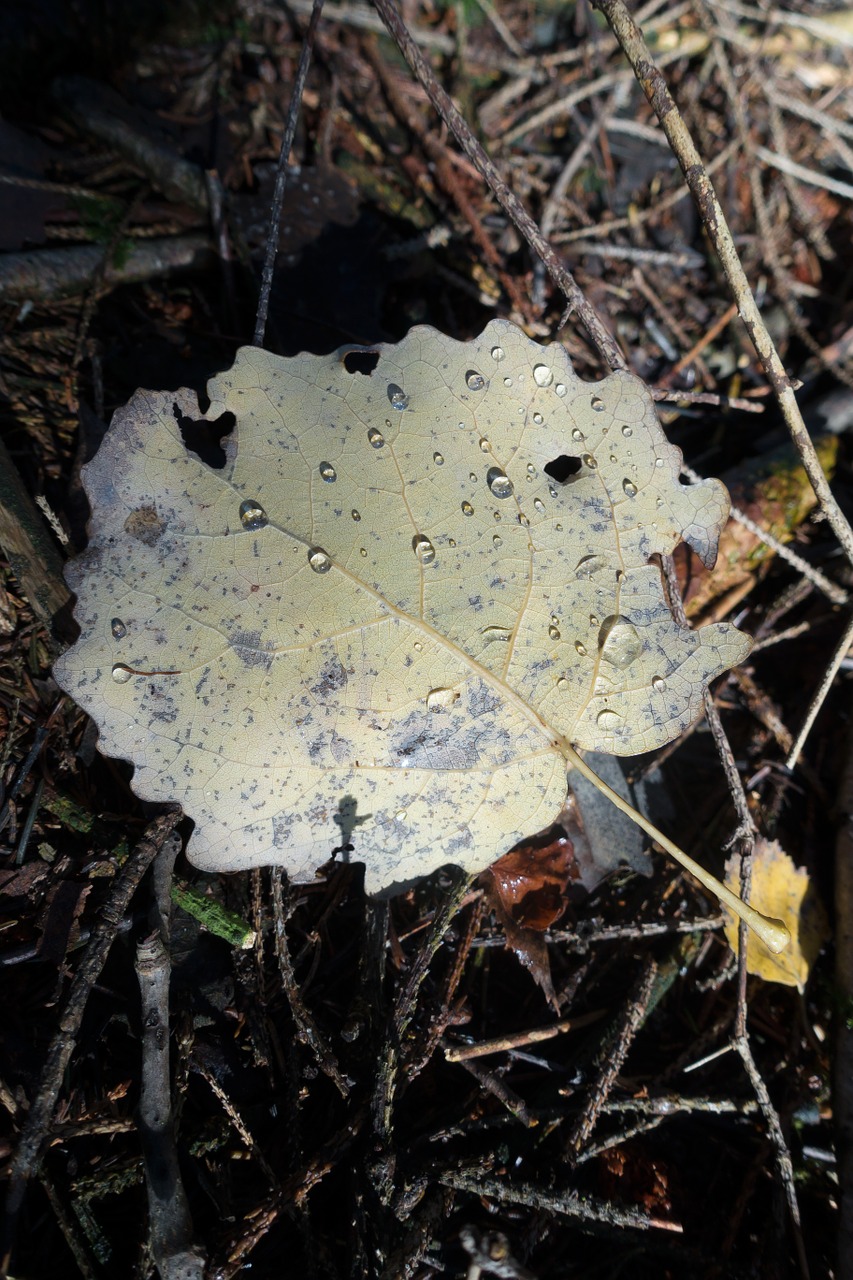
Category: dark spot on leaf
<point>361,361</point>
<point>144,524</point>
<point>563,469</point>
<point>204,438</point>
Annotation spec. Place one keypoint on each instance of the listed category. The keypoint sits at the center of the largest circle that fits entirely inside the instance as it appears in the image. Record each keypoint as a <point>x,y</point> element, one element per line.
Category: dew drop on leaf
<point>467,509</point>
<point>438,459</point>
<point>397,396</point>
<point>577,434</point>
<point>597,404</point>
<point>542,375</point>
<point>318,560</point>
<point>118,629</point>
<point>627,431</point>
<point>589,565</point>
<point>375,438</point>
<point>553,632</point>
<point>497,540</point>
<point>538,419</point>
<point>356,515</point>
<point>560,389</point>
<point>589,461</point>
<point>252,515</point>
<point>484,445</point>
<point>659,684</point>
<point>562,683</point>
<point>630,488</point>
<point>441,699</point>
<point>497,353</point>
<point>619,642</point>
<point>608,720</point>
<point>522,519</point>
<point>423,548</point>
<point>499,635</point>
<point>328,472</point>
<point>499,483</point>
<point>538,505</point>
<point>581,648</point>
<point>120,673</point>
<point>474,382</point>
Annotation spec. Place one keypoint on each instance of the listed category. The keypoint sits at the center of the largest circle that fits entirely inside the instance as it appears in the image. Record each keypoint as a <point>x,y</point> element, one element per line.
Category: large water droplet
<point>441,699</point>
<point>497,353</point>
<point>319,560</point>
<point>499,482</point>
<point>363,551</point>
<point>589,565</point>
<point>538,505</point>
<point>497,540</point>
<point>577,434</point>
<point>589,461</point>
<point>538,419</point>
<point>553,632</point>
<point>438,459</point>
<point>397,396</point>
<point>560,389</point>
<point>118,629</point>
<point>507,382</point>
<point>658,684</point>
<point>523,519</point>
<point>531,470</point>
<point>423,548</point>
<point>356,515</point>
<point>467,509</point>
<point>375,438</point>
<point>120,673</point>
<point>474,381</point>
<point>630,488</point>
<point>542,375</point>
<point>619,642</point>
<point>597,404</point>
<point>581,648</point>
<point>627,431</point>
<point>562,684</point>
<point>252,515</point>
<point>499,635</point>
<point>328,472</point>
<point>608,720</point>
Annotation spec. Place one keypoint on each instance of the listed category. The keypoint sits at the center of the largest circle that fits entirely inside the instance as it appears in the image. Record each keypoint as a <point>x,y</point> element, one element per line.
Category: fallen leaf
<point>393,603</point>
<point>782,890</point>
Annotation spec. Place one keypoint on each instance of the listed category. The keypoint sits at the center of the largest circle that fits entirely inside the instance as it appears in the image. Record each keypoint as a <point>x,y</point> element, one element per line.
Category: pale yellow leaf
<point>784,891</point>
<point>383,620</point>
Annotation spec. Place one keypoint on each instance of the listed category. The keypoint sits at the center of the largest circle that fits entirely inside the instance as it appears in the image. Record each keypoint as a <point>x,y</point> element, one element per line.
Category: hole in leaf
<point>361,361</point>
<point>563,469</point>
<point>205,438</point>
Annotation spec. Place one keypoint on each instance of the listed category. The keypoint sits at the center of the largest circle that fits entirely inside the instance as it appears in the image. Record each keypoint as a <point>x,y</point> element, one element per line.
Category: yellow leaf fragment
<point>383,619</point>
<point>784,891</point>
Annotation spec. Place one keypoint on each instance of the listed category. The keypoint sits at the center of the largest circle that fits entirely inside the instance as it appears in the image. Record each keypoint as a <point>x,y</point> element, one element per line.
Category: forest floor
<point>330,1115</point>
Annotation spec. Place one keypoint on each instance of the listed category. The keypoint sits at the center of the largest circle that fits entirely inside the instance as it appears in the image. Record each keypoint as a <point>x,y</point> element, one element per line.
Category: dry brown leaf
<point>782,890</point>
<point>395,606</point>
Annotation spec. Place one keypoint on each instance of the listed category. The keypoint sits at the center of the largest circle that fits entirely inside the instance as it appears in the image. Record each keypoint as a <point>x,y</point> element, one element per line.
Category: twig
<point>503,1044</point>
<point>562,277</point>
<point>820,694</point>
<point>569,1204</point>
<point>843,1101</point>
<point>33,556</point>
<point>277,202</point>
<point>26,1159</point>
<point>45,275</point>
<point>655,88</point>
<point>799,171</point>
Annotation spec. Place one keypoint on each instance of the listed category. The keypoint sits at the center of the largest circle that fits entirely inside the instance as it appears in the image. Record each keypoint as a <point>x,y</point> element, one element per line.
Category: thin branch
<point>821,693</point>
<point>655,88</point>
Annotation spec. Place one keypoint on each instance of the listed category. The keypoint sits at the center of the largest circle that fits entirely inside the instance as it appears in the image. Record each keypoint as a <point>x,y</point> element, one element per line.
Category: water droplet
<point>363,551</point>
<point>555,621</point>
<point>553,492</point>
<point>562,683</point>
<point>467,509</point>
<point>558,527</point>
<point>496,514</point>
<point>560,389</point>
<point>418,646</point>
<point>499,483</point>
<point>507,382</point>
<point>441,699</point>
<point>328,472</point>
<point>438,459</point>
<point>542,375</point>
<point>630,488</point>
<point>356,515</point>
<point>589,461</point>
<point>497,540</point>
<point>658,462</point>
<point>538,419</point>
<point>619,642</point>
<point>613,458</point>
<point>581,648</point>
<point>375,438</point>
<point>497,353</point>
<point>397,396</point>
<point>318,560</point>
<point>597,404</point>
<point>658,683</point>
<point>472,476</point>
<point>522,519</point>
<point>423,548</point>
<point>252,515</point>
<point>496,635</point>
<point>627,431</point>
<point>593,620</point>
<point>538,505</point>
<point>121,674</point>
<point>553,632</point>
<point>620,577</point>
<point>589,565</point>
<point>484,445</point>
<point>451,542</point>
<point>577,434</point>
<point>474,381</point>
<point>608,721</point>
<point>531,470</point>
<point>401,815</point>
<point>118,629</point>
